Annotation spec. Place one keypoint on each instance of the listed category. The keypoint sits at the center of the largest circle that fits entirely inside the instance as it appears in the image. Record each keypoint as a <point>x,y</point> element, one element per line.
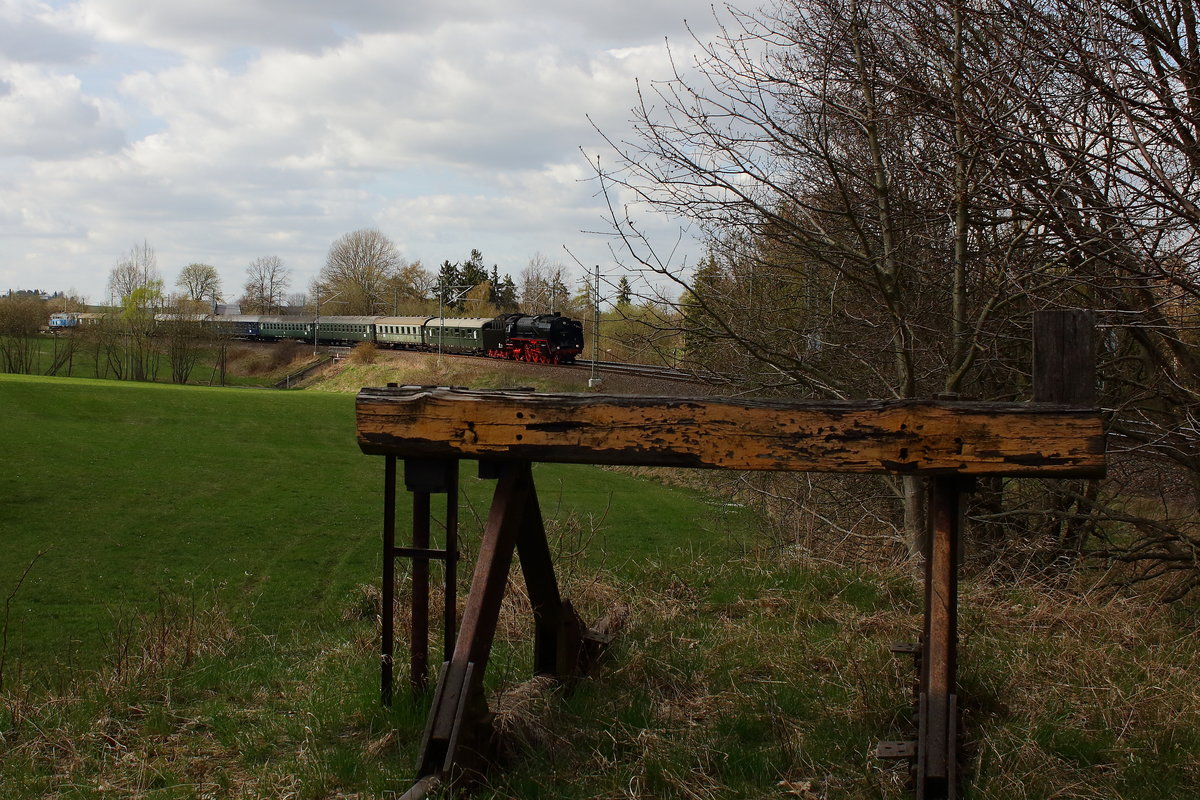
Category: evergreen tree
<point>448,277</point>
<point>624,292</point>
<point>472,271</point>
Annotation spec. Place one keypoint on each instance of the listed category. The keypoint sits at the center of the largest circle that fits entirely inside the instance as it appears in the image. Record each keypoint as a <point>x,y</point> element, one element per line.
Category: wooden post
<point>1064,357</point>
<point>557,630</point>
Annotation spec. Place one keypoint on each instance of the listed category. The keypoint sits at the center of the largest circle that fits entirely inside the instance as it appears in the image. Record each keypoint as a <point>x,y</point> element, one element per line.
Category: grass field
<point>260,500</point>
<point>197,626</point>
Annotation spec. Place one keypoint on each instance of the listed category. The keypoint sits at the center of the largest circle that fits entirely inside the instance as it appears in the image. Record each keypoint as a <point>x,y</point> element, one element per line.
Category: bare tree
<point>182,334</point>
<point>136,285</point>
<point>135,270</point>
<point>360,270</point>
<point>20,319</point>
<point>200,282</point>
<point>1108,163</point>
<point>542,286</point>
<point>844,202</point>
<point>887,189</point>
<point>267,281</point>
<point>412,286</point>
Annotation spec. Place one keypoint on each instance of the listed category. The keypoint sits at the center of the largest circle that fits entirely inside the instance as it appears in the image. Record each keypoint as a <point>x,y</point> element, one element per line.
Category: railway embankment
<point>430,369</point>
<point>294,380</point>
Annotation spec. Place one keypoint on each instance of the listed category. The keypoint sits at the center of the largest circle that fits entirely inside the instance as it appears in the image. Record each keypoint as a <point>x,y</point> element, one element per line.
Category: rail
<point>288,381</point>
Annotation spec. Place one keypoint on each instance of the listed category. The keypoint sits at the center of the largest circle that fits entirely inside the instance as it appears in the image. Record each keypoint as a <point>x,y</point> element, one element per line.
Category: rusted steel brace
<point>937,750</point>
<point>459,721</point>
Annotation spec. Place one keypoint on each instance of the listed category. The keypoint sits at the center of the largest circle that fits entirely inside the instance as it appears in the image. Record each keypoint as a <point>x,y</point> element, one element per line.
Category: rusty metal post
<point>388,589</point>
<point>419,657</point>
<point>451,564</point>
<point>937,737</point>
<point>423,478</point>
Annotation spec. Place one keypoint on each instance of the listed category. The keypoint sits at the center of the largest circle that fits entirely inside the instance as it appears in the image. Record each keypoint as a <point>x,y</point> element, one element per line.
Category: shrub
<point>364,353</point>
<point>284,353</point>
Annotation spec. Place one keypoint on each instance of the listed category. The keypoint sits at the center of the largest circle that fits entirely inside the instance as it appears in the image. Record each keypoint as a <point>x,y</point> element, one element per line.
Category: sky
<point>225,130</point>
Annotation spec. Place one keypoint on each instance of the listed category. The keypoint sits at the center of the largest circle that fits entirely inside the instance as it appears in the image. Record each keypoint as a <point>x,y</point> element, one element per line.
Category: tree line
<point>364,274</point>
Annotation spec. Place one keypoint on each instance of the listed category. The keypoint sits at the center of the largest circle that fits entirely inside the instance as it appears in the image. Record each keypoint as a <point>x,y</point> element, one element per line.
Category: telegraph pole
<point>456,293</point>
<point>594,382</point>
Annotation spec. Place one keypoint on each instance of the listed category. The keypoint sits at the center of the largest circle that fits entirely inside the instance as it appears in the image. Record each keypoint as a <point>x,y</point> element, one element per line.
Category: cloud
<point>227,130</point>
<point>202,29</point>
<point>389,101</point>
<point>34,32</point>
<point>44,115</point>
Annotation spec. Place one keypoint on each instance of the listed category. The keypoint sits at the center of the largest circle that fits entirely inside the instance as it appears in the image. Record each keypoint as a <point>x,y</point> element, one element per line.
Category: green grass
<point>197,627</point>
<point>194,557</point>
<point>259,500</point>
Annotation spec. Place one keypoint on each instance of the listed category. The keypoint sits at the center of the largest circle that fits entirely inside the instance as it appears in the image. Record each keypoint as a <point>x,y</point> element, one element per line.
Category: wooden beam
<point>870,436</point>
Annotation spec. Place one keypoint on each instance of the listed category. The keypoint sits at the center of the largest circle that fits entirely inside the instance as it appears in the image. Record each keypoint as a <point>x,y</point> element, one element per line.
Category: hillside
<point>427,369</point>
<point>201,622</point>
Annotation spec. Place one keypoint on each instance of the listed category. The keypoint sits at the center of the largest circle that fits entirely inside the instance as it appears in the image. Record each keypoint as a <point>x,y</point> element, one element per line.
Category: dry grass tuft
<point>732,677</point>
<point>174,635</point>
<point>364,353</point>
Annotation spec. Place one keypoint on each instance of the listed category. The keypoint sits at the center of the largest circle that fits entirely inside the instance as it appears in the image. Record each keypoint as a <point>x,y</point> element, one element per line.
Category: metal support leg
<point>421,478</point>
<point>450,592</point>
<point>937,738</point>
<point>388,590</point>
<point>419,659</point>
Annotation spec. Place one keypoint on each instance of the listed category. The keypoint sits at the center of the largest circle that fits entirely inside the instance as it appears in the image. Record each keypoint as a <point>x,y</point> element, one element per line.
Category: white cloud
<point>214,26</point>
<point>227,130</point>
<point>35,32</point>
<point>44,115</point>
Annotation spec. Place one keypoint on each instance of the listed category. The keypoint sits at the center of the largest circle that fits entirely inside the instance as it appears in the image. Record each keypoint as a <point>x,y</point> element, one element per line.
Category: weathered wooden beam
<point>902,436</point>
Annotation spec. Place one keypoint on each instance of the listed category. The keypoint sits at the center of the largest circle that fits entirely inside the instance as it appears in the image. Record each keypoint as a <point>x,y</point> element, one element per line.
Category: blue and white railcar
<point>63,321</point>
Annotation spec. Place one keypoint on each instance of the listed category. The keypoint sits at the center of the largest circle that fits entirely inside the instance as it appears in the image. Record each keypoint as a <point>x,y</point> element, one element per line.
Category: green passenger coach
<point>282,327</point>
<point>345,329</point>
<point>473,334</point>
<point>400,331</point>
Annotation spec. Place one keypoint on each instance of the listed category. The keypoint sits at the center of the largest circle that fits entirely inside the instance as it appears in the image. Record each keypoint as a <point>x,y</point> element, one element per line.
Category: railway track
<point>643,370</point>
